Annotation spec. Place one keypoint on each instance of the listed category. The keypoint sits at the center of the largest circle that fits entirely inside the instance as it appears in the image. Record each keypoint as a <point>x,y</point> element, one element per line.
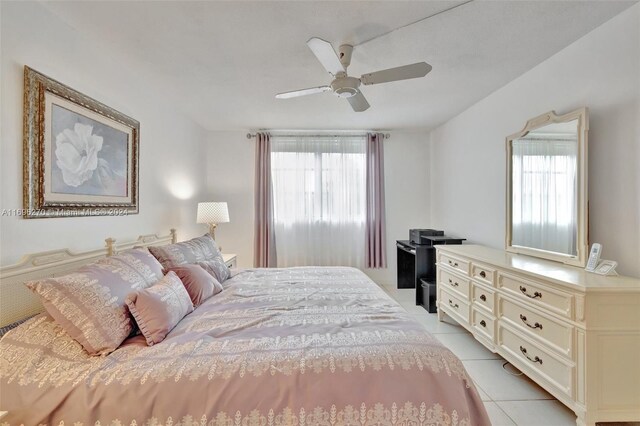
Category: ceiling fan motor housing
<point>345,55</point>
<point>345,87</point>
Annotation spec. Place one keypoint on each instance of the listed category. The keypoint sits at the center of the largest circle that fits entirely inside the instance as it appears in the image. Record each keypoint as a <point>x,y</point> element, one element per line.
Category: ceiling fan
<point>346,86</point>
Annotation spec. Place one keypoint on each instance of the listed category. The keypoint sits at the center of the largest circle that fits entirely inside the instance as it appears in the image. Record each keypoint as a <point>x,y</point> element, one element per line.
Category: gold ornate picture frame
<point>80,156</point>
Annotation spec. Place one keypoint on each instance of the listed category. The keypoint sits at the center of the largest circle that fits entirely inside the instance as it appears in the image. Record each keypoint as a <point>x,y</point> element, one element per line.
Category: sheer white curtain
<point>544,188</point>
<point>319,199</point>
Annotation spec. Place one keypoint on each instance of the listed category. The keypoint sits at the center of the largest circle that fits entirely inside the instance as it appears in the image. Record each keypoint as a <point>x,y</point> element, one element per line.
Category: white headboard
<point>17,302</point>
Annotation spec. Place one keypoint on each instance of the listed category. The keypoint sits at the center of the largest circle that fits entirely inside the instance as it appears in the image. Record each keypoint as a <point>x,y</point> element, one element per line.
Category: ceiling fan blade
<point>326,55</point>
<point>303,92</point>
<point>406,72</point>
<point>358,102</point>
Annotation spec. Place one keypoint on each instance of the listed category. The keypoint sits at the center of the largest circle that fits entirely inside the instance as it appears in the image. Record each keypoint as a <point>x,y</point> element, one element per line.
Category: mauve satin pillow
<point>199,283</point>
<point>159,308</point>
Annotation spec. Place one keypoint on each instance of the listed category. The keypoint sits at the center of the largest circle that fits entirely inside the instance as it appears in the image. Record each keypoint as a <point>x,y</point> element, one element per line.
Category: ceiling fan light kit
<point>345,86</point>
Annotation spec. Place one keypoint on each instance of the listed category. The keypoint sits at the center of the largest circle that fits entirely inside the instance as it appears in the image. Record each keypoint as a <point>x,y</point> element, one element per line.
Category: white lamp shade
<point>213,213</point>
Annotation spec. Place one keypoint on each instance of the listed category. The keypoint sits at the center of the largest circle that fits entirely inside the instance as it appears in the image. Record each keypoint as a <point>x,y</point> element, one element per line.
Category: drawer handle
<point>455,264</point>
<point>453,283</point>
<point>536,294</point>
<point>483,323</point>
<point>483,297</point>
<point>524,320</point>
<point>483,274</point>
<point>535,359</point>
<point>453,305</point>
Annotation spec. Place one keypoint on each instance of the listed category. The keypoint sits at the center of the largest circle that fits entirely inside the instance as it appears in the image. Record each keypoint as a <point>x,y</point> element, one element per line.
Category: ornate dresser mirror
<point>547,211</point>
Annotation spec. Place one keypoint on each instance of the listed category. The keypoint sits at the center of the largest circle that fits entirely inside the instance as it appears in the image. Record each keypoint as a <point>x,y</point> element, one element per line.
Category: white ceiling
<point>223,62</point>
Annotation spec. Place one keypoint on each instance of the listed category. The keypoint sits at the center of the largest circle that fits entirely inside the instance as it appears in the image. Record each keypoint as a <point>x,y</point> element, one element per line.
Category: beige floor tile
<point>406,301</point>
<point>412,308</point>
<point>433,326</point>
<point>538,413</point>
<point>403,297</point>
<point>483,394</point>
<point>502,386</point>
<point>466,347</point>
<point>410,304</point>
<point>497,416</point>
<point>382,286</point>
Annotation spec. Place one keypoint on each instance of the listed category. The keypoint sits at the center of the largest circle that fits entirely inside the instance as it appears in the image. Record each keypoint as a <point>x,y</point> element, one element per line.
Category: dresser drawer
<point>455,263</point>
<point>482,297</point>
<point>553,333</point>
<point>482,324</point>
<point>536,361</point>
<point>454,305</point>
<point>483,274</point>
<point>538,294</point>
<point>459,286</point>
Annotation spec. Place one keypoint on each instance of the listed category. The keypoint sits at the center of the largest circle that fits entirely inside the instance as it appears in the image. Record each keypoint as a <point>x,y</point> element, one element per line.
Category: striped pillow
<point>90,303</point>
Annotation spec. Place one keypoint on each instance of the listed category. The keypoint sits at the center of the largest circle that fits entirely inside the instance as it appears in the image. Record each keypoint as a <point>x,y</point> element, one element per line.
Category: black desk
<point>417,265</point>
<point>413,262</point>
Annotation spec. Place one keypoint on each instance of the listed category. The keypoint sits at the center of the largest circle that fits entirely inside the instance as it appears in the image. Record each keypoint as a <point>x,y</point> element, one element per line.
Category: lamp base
<point>212,230</point>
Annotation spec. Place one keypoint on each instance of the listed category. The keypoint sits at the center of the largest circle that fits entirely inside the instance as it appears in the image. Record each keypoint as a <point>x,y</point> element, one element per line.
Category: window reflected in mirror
<point>547,200</point>
<point>544,202</point>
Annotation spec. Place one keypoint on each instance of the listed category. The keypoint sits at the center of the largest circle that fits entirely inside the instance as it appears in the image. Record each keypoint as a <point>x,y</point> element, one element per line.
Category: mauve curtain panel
<point>375,239</point>
<point>265,241</point>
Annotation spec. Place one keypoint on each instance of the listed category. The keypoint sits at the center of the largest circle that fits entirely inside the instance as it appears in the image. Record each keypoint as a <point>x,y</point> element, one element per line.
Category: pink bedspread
<point>299,346</point>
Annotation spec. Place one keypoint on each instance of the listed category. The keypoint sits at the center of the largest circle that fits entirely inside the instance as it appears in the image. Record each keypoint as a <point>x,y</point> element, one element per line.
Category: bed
<point>296,346</point>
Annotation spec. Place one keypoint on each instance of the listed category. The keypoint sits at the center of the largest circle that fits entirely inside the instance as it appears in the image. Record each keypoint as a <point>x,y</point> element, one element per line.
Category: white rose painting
<point>81,156</point>
<point>88,157</point>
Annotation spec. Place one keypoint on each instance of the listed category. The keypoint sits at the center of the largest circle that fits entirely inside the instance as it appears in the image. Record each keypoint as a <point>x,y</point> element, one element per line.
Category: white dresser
<point>575,333</point>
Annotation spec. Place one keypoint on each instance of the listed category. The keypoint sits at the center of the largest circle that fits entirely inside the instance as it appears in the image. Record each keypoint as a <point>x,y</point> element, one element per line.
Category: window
<point>319,199</point>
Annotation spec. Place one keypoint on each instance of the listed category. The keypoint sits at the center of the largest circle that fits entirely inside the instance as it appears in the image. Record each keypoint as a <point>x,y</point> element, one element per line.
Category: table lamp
<point>213,213</point>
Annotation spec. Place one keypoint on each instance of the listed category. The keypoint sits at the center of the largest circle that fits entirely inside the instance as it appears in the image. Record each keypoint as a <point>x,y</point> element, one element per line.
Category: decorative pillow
<point>90,303</point>
<point>217,268</point>
<point>199,284</point>
<point>191,251</point>
<point>159,308</point>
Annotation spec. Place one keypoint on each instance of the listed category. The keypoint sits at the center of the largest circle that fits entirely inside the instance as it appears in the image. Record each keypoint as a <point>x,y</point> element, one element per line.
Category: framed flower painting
<point>80,156</point>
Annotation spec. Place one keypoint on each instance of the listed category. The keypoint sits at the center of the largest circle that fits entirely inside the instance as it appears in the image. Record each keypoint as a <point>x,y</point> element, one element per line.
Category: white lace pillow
<point>90,303</point>
<point>192,251</point>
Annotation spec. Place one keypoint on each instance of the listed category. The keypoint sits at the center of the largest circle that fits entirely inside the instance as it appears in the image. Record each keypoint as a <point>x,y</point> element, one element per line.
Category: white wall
<point>171,146</point>
<point>600,71</point>
<point>231,178</point>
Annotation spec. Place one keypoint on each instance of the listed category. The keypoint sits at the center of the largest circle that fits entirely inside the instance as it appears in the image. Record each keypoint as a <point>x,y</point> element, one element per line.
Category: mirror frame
<point>582,243</point>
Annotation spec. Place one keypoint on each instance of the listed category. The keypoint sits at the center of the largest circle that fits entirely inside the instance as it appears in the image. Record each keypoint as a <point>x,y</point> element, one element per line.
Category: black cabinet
<point>417,266</point>
<point>412,263</point>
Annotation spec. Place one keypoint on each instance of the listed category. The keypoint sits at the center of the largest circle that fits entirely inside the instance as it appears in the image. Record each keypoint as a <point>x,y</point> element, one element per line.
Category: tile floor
<point>509,399</point>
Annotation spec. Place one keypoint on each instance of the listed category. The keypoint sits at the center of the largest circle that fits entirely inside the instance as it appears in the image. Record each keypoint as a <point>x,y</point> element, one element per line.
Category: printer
<point>416,234</point>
